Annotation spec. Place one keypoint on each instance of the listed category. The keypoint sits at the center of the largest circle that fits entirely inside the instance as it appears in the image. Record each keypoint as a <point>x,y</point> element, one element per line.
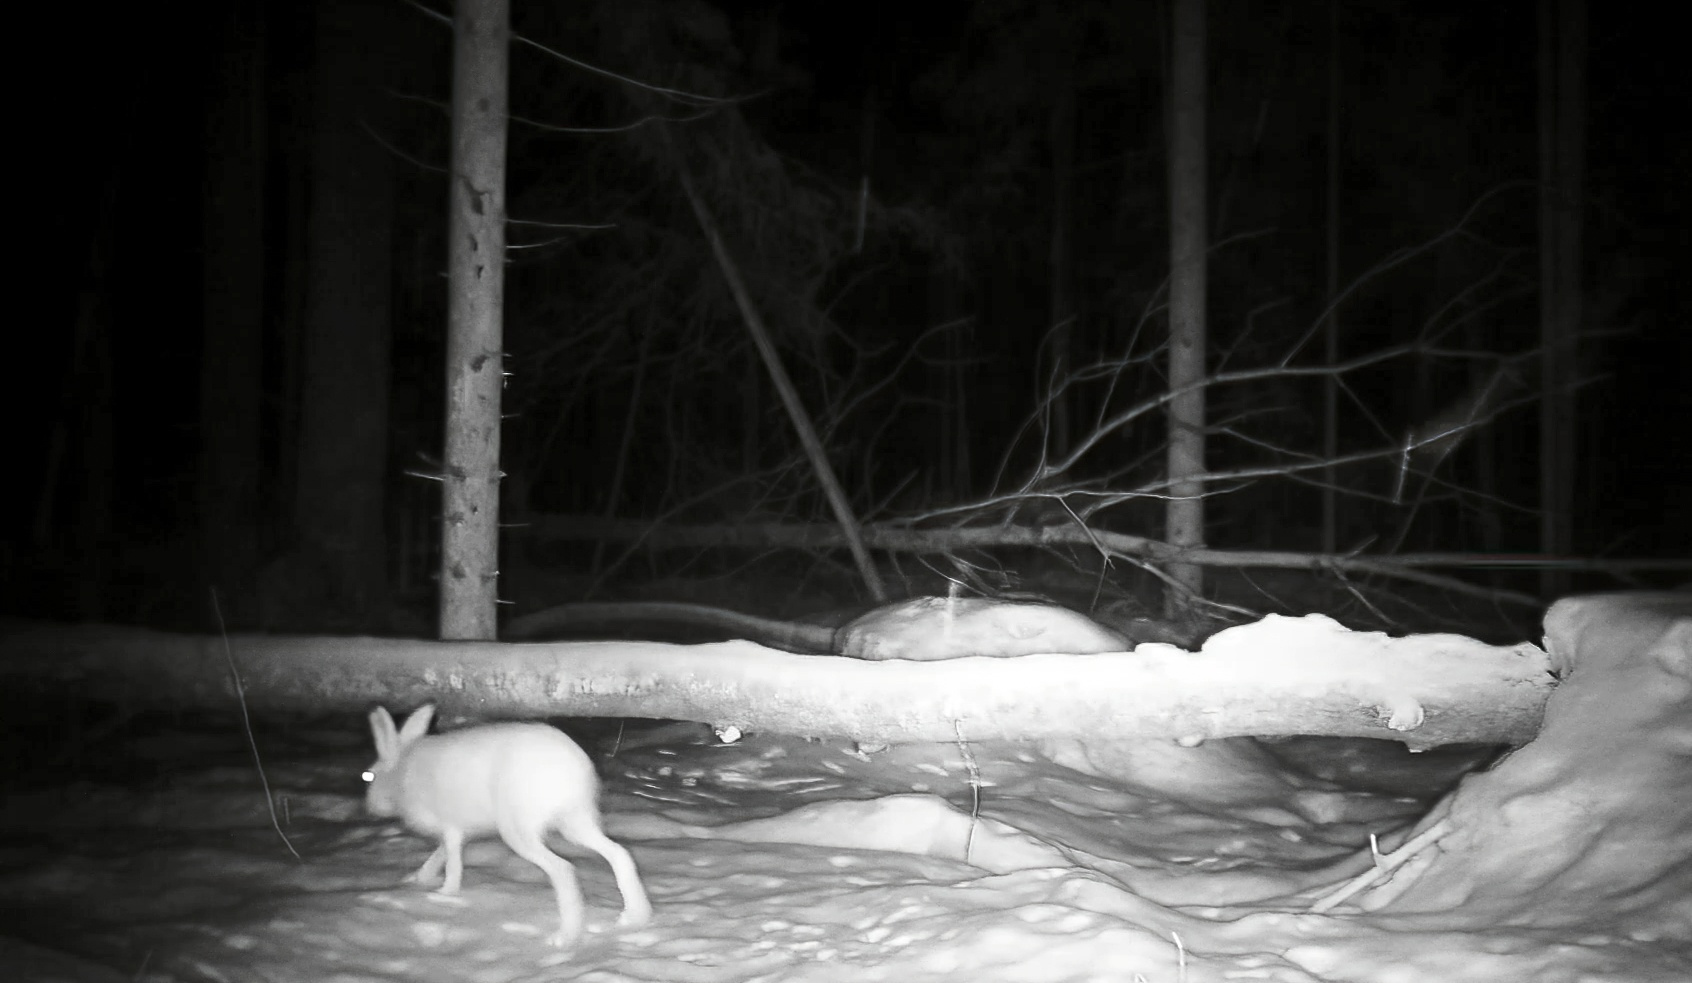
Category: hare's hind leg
<point>529,845</point>
<point>583,829</point>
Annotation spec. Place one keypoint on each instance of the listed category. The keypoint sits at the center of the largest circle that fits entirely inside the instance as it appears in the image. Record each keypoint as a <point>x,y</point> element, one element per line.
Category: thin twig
<point>974,788</point>
<point>247,725</point>
<point>1383,866</point>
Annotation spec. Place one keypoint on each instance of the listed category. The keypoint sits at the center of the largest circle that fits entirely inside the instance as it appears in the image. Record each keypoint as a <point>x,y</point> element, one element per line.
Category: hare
<point>517,779</point>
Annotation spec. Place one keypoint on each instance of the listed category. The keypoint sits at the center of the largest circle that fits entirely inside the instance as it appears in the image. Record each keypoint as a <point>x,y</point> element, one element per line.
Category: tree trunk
<point>1188,239</point>
<point>97,457</point>
<point>1282,676</point>
<point>339,507</point>
<point>1331,327</point>
<point>475,329</point>
<point>950,479</point>
<point>1061,340</point>
<point>1562,122</point>
<point>232,331</point>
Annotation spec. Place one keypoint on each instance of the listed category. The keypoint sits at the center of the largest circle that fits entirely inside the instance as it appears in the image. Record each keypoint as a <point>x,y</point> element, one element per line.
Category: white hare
<point>517,779</point>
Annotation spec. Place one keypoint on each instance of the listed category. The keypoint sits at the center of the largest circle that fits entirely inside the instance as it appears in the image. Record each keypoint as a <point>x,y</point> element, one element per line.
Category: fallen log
<point>1280,676</point>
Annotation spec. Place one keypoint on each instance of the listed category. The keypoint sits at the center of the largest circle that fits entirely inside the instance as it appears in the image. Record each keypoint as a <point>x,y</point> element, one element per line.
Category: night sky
<point>944,111</point>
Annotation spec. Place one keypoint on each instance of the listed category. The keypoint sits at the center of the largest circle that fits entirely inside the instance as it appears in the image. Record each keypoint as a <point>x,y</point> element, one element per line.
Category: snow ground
<point>777,858</point>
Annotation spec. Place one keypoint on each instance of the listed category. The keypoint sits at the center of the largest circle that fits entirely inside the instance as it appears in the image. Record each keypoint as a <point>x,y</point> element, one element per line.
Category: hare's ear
<point>382,729</point>
<point>417,724</point>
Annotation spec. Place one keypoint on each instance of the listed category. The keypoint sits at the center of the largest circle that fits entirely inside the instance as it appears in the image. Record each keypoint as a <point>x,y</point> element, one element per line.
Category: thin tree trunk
<point>475,313</point>
<point>81,457</point>
<point>1489,524</point>
<point>752,415</point>
<point>97,461</point>
<point>1062,337</point>
<point>1562,79</point>
<point>955,477</point>
<point>86,365</point>
<point>1331,332</point>
<point>626,438</point>
<point>339,508</point>
<point>1187,318</point>
<point>233,307</point>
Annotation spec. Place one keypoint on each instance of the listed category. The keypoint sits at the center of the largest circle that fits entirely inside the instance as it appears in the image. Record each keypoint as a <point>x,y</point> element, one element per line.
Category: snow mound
<point>1589,826</point>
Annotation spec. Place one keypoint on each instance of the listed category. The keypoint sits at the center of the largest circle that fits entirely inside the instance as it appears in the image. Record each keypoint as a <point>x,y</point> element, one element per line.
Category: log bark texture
<point>1279,677</point>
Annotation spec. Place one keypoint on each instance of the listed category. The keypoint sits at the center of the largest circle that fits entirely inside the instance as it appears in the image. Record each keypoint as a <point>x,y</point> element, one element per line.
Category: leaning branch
<point>754,321</point>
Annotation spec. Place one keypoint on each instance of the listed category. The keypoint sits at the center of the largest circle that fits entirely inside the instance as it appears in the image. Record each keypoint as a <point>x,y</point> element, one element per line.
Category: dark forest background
<point>227,365</point>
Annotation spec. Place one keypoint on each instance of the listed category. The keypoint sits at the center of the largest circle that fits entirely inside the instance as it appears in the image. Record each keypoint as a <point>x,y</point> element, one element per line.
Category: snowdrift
<point>778,858</point>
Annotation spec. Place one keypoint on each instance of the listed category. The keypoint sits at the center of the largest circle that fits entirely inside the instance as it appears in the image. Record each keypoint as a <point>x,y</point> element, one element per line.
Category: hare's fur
<point>519,780</point>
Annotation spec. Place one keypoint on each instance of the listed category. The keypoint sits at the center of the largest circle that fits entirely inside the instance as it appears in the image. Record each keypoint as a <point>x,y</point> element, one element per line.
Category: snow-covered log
<point>1276,677</point>
<point>1589,827</point>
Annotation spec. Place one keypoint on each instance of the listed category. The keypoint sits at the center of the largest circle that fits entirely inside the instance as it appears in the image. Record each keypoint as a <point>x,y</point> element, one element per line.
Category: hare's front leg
<point>431,868</point>
<point>451,854</point>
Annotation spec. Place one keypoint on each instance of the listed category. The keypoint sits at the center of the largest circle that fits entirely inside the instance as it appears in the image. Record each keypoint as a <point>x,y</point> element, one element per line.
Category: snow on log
<point>1279,676</point>
<point>1587,828</point>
